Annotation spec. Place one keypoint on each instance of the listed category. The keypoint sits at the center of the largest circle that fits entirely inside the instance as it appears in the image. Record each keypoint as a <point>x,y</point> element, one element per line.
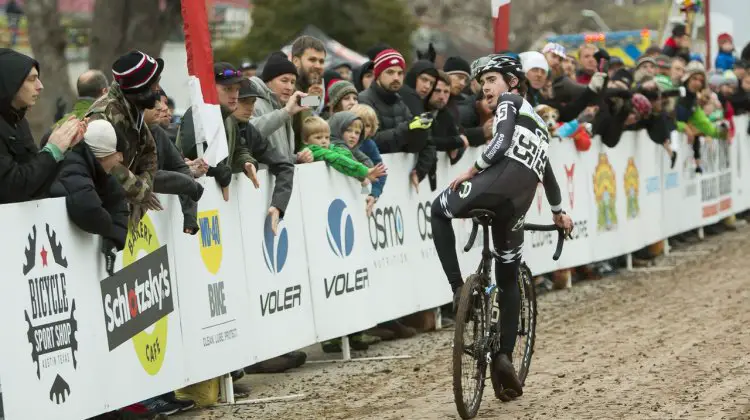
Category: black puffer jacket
<point>94,199</point>
<point>394,117</point>
<point>445,132</point>
<point>25,173</point>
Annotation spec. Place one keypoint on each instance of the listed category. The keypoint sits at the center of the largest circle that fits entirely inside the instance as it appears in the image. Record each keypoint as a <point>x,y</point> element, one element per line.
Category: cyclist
<point>504,179</point>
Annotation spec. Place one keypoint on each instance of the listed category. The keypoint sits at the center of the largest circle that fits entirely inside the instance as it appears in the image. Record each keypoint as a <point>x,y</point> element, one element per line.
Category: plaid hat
<point>248,89</point>
<point>338,89</point>
<point>225,74</point>
<point>554,48</point>
<point>277,65</point>
<point>457,65</point>
<point>692,69</point>
<point>388,58</point>
<point>645,59</point>
<point>135,71</point>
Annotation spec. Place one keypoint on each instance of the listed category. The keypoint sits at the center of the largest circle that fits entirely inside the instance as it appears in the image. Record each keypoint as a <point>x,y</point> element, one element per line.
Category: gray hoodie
<point>338,123</point>
<point>272,120</point>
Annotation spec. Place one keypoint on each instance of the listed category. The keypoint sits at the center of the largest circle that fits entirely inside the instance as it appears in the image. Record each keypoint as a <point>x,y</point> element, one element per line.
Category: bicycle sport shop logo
<point>340,232</point>
<point>632,184</point>
<point>569,177</point>
<point>386,227</point>
<point>50,315</point>
<point>275,253</point>
<point>211,254</point>
<point>210,240</point>
<point>275,247</point>
<point>340,235</point>
<point>140,296</point>
<point>605,192</point>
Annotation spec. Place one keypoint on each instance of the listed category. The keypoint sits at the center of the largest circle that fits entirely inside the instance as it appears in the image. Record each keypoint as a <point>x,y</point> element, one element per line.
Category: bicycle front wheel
<point>469,360</point>
<point>526,324</point>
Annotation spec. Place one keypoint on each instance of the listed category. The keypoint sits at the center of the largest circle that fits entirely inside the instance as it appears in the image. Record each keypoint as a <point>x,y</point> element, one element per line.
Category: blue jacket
<point>369,148</point>
<point>725,61</point>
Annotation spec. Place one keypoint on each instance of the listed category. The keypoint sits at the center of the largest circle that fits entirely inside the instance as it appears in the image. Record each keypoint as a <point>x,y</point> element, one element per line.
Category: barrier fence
<point>182,309</point>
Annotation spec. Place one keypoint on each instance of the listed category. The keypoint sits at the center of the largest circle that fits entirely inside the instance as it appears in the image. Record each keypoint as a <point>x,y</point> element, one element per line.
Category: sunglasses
<point>229,73</point>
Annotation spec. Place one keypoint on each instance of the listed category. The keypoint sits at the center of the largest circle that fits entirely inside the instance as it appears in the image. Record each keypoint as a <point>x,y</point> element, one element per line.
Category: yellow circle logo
<point>151,348</point>
<point>210,240</point>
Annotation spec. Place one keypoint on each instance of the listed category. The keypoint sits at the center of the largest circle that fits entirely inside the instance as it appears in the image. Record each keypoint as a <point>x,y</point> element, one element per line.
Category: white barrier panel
<point>215,319</point>
<point>337,242</point>
<point>280,308</point>
<point>104,342</point>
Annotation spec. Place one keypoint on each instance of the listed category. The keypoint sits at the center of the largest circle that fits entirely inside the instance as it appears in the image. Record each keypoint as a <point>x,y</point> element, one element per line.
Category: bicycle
<point>479,307</point>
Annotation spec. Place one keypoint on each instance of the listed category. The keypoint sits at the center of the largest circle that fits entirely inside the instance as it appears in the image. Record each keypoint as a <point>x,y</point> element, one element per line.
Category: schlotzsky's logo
<point>52,324</point>
<point>632,186</point>
<point>275,252</point>
<point>605,192</point>
<point>340,235</point>
<point>139,296</point>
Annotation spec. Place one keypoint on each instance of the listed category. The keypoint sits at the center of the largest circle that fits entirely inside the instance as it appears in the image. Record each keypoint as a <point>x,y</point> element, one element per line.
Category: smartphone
<point>310,101</point>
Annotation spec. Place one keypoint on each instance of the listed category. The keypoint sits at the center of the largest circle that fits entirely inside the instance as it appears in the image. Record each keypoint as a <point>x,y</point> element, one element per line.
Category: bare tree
<point>48,40</point>
<point>119,26</point>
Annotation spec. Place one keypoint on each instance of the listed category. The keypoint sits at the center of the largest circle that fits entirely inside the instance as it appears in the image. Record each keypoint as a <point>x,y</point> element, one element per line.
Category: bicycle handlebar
<point>549,228</point>
<point>526,226</point>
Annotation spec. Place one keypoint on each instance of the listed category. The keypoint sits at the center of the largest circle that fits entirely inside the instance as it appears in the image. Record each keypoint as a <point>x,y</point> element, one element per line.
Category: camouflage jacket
<point>136,174</point>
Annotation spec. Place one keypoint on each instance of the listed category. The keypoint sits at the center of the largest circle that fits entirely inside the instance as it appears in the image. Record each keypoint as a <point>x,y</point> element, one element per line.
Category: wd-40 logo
<point>210,240</point>
<point>139,296</point>
<point>632,186</point>
<point>52,324</point>
<point>605,190</point>
<point>386,226</point>
<point>275,248</point>
<point>340,230</point>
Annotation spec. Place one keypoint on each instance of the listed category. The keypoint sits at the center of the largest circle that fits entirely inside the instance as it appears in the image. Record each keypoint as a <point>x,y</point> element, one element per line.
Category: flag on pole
<point>501,23</point>
<point>209,125</point>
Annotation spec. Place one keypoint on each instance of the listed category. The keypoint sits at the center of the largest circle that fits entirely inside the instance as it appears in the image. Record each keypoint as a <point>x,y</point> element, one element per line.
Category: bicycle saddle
<point>482,214</point>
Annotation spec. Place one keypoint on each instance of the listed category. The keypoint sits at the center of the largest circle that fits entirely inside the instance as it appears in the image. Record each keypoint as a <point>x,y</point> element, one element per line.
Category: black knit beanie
<point>457,65</point>
<point>277,65</point>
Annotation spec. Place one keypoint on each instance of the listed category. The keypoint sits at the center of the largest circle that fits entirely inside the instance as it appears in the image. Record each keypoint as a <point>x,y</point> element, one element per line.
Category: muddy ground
<point>659,345</point>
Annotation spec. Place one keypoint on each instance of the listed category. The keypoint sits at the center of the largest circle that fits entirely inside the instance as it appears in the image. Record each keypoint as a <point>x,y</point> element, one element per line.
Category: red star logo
<point>44,256</point>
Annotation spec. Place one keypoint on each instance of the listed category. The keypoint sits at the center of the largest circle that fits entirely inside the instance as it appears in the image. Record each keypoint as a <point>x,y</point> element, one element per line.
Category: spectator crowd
<point>120,144</point>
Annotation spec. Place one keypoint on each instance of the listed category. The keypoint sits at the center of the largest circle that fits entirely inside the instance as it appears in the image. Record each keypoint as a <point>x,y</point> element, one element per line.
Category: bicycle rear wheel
<point>469,344</point>
<point>526,324</point>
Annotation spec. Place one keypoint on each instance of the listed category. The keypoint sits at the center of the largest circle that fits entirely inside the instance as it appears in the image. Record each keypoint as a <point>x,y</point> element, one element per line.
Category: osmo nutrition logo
<point>275,247</point>
<point>49,313</point>
<point>275,251</point>
<point>340,230</point>
<point>340,234</point>
<point>138,298</point>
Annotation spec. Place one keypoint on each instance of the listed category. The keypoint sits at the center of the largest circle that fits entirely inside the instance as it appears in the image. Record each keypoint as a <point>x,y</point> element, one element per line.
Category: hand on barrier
<point>275,215</point>
<point>252,174</point>
<point>376,172</point>
<point>109,249</point>
<point>198,167</point>
<point>153,203</point>
<point>414,178</point>
<point>305,156</point>
<point>370,204</point>
<point>222,174</point>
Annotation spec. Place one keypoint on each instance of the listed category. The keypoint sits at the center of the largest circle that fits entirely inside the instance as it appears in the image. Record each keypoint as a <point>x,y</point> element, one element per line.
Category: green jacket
<point>700,120</point>
<point>340,158</point>
<point>136,174</point>
<point>239,152</point>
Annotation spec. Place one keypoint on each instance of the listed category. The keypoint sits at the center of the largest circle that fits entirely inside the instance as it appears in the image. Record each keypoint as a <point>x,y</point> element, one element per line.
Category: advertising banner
<point>280,309</point>
<point>213,292</point>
